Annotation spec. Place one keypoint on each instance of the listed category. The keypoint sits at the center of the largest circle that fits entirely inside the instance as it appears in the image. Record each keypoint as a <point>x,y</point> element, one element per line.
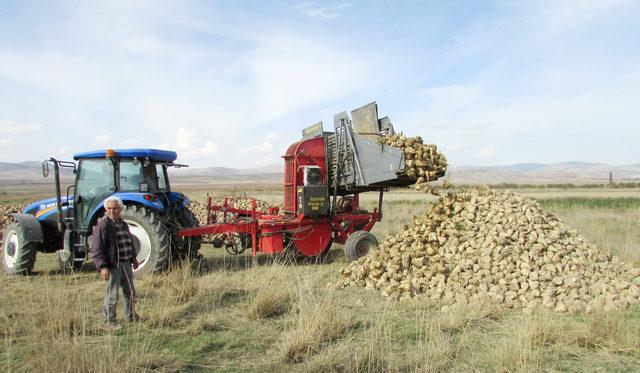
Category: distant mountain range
<point>226,171</point>
<point>578,172</point>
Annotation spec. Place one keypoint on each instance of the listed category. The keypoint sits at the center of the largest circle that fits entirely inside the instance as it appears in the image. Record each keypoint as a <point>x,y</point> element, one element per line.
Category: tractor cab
<point>132,171</point>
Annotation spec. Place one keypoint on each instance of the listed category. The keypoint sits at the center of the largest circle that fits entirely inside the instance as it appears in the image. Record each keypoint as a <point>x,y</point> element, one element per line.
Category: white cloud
<point>14,134</point>
<point>103,140</point>
<point>131,143</point>
<point>211,148</point>
<point>65,152</point>
<point>81,78</point>
<point>487,151</point>
<point>272,136</point>
<point>7,141</point>
<point>191,147</point>
<point>444,100</point>
<point>185,138</point>
<point>262,152</point>
<point>290,73</point>
<point>12,127</point>
<point>560,17</point>
<point>326,12</point>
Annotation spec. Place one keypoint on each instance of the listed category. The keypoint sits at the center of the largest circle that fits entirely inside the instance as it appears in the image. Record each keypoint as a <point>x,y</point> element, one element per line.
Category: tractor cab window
<point>162,177</point>
<point>130,176</point>
<point>136,177</point>
<point>95,181</point>
<point>95,176</point>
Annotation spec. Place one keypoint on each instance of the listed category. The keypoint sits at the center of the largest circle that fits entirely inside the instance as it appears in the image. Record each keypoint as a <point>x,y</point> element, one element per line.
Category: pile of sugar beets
<point>487,245</point>
<point>199,210</point>
<point>5,217</point>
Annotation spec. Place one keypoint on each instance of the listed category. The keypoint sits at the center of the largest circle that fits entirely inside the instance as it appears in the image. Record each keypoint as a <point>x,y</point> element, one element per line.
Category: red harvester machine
<point>323,176</point>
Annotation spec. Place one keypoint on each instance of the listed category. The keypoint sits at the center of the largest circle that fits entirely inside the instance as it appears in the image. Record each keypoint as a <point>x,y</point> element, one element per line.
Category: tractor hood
<point>45,206</point>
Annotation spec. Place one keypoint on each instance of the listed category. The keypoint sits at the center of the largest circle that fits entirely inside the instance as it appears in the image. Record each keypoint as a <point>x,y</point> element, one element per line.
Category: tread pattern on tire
<point>190,246</point>
<point>162,249</point>
<point>26,253</point>
<point>350,246</point>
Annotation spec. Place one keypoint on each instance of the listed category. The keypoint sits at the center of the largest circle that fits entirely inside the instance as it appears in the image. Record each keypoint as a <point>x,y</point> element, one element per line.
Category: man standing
<point>115,257</point>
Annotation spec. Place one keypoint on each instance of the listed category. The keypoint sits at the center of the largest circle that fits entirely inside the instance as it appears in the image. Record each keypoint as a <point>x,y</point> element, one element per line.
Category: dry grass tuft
<point>200,296</point>
<point>317,324</point>
<point>178,286</point>
<point>270,302</point>
<point>609,331</point>
<point>461,316</point>
<point>521,341</point>
<point>347,356</point>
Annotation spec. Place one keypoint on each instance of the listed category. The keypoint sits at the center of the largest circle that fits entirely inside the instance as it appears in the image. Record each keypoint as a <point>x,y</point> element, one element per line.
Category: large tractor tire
<point>359,244</point>
<point>187,247</point>
<point>151,239</point>
<point>18,254</point>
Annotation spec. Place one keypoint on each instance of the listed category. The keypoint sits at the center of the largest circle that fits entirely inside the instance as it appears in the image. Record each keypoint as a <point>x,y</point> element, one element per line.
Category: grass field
<point>227,315</point>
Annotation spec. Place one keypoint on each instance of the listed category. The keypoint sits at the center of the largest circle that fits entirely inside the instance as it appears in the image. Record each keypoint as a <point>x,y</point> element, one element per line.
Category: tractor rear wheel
<point>18,254</point>
<point>151,239</point>
<point>359,244</point>
<point>187,247</point>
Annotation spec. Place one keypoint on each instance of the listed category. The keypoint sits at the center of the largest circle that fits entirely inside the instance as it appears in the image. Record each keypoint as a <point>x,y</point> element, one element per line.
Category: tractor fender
<point>138,199</point>
<point>31,227</point>
<point>128,199</point>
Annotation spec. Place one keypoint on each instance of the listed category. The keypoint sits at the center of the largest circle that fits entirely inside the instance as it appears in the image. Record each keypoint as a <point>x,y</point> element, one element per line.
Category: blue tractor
<point>63,224</point>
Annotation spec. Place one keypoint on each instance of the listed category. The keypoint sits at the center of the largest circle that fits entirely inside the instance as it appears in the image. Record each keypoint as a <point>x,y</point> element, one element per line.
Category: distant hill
<point>576,172</point>
<point>28,171</point>
<point>226,171</point>
<point>31,172</point>
<point>19,167</point>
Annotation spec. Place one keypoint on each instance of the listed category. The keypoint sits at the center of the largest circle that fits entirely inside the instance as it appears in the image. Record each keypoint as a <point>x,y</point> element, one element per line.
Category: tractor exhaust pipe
<point>56,175</point>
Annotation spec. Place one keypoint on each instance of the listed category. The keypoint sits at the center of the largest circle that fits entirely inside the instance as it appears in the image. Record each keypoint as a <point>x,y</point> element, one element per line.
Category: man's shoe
<point>112,327</point>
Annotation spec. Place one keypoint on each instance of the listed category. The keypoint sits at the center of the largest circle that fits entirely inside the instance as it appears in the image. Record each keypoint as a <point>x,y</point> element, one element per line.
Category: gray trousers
<point>120,276</point>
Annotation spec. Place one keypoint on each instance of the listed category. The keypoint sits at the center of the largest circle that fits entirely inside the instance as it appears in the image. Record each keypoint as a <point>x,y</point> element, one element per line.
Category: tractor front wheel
<point>18,254</point>
<point>151,239</point>
<point>359,244</point>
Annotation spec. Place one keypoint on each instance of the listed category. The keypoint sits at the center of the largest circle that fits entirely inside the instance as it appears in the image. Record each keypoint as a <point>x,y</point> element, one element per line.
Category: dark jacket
<point>104,248</point>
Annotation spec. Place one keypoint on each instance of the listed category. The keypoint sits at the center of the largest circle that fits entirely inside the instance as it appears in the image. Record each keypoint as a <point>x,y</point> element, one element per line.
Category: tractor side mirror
<point>45,168</point>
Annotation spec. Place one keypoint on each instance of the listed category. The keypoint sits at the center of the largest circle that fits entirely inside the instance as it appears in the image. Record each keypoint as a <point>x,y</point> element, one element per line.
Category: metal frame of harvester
<point>324,173</point>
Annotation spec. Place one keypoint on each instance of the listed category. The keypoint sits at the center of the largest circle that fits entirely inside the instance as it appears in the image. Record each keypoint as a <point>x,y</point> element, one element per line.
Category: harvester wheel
<point>236,245</point>
<point>151,239</point>
<point>18,254</point>
<point>359,244</point>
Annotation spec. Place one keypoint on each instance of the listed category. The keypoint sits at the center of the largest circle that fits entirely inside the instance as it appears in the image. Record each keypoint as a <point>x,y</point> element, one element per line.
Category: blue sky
<point>232,83</point>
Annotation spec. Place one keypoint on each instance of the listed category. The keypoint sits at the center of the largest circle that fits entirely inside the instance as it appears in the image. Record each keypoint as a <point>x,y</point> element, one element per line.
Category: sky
<point>233,83</point>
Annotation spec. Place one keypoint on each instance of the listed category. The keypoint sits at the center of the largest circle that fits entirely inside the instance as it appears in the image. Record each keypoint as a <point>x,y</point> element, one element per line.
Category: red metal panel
<point>236,227</point>
<point>312,239</point>
<point>303,153</point>
<point>289,185</point>
<point>271,244</point>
